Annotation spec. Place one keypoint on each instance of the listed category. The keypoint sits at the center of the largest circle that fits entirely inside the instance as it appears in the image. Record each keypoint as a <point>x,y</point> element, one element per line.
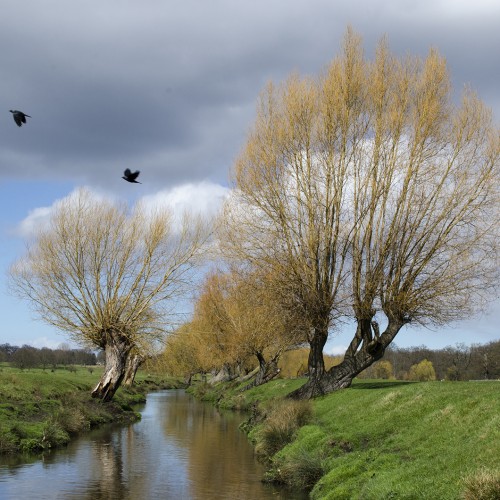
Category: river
<point>181,449</point>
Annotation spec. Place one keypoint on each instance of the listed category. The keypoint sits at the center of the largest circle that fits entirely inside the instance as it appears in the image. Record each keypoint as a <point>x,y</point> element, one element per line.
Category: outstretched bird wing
<point>127,172</point>
<point>19,116</point>
<point>133,176</point>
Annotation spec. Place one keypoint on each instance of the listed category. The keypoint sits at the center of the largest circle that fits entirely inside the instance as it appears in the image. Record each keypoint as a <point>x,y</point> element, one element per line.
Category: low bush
<point>301,463</point>
<point>72,420</point>
<point>53,435</point>
<point>282,420</point>
<point>201,389</point>
<point>301,470</point>
<point>29,445</point>
<point>8,440</point>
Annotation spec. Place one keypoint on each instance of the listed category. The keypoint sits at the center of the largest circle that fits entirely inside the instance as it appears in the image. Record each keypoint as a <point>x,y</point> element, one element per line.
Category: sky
<point>170,88</point>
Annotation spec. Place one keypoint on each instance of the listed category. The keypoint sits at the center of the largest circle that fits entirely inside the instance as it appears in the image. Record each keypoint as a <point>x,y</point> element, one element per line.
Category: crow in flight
<point>131,177</point>
<point>19,117</point>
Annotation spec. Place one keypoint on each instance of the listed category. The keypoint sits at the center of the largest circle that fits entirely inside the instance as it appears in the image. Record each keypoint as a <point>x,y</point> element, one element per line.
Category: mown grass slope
<point>408,440</point>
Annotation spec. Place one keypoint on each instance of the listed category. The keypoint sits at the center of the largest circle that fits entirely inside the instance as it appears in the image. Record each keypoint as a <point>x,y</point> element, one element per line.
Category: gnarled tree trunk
<point>315,366</point>
<point>188,379</point>
<point>131,367</point>
<point>366,347</point>
<point>117,350</point>
<point>225,374</point>
<point>267,370</point>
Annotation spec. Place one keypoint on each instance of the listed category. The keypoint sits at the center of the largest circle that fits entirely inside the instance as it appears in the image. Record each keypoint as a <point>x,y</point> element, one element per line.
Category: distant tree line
<point>460,362</point>
<point>31,357</point>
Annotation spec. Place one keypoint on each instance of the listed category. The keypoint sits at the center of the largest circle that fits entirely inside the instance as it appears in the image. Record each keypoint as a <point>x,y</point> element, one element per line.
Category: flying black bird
<point>19,117</point>
<point>131,177</point>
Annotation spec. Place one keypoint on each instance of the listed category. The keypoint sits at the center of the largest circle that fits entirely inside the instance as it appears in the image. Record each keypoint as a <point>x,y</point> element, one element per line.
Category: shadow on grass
<point>382,384</point>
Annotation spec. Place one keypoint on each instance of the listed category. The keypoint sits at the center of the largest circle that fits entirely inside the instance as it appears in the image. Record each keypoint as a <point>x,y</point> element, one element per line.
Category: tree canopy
<point>109,276</point>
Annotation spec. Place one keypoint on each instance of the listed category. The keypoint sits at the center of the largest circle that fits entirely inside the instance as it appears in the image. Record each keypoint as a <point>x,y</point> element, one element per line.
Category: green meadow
<point>43,409</point>
<point>378,439</point>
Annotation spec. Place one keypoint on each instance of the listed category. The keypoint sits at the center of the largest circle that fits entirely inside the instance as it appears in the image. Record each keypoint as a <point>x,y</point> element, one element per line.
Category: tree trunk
<point>250,375</point>
<point>366,347</point>
<point>342,375</point>
<point>131,367</point>
<point>316,367</point>
<point>225,374</point>
<point>116,350</point>
<point>266,372</point>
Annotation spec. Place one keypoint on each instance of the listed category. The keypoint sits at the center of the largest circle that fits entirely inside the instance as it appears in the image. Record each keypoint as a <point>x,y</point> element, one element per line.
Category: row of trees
<point>365,194</point>
<point>244,324</point>
<point>213,349</point>
<point>452,363</point>
<point>28,356</point>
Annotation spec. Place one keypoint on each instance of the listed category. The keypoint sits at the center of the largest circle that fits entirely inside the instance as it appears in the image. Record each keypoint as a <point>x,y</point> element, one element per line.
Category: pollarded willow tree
<point>238,316</point>
<point>373,197</point>
<point>108,276</point>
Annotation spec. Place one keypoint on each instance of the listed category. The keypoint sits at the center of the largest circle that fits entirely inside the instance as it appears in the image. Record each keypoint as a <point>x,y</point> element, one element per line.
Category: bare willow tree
<point>375,196</point>
<point>108,276</point>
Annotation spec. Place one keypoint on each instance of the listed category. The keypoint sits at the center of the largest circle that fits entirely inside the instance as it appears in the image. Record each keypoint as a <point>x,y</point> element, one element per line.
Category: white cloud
<point>38,218</point>
<point>35,220</point>
<point>203,198</point>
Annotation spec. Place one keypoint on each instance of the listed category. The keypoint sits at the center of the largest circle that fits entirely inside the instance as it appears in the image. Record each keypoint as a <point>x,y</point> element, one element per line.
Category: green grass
<point>42,409</point>
<point>383,440</point>
<point>230,395</point>
<point>409,440</point>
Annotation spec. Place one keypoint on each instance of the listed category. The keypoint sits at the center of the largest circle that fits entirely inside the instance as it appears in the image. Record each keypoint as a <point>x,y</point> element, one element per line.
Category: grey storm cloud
<point>169,88</point>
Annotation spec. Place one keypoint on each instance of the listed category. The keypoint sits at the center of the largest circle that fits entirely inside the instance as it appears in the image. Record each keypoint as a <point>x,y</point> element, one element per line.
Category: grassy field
<point>380,439</point>
<point>41,409</point>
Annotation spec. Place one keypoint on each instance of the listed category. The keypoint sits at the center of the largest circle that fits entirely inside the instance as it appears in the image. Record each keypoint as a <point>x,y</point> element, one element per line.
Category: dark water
<point>181,449</point>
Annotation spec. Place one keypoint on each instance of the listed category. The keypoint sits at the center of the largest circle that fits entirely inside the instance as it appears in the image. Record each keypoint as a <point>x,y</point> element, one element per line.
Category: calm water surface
<point>182,449</point>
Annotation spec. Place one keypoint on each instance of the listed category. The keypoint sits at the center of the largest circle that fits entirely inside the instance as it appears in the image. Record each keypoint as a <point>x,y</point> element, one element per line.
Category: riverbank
<point>44,409</point>
<point>377,439</point>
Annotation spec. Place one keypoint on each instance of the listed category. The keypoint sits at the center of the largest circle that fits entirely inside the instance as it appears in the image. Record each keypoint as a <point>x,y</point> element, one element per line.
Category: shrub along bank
<point>377,439</point>
<point>42,409</point>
